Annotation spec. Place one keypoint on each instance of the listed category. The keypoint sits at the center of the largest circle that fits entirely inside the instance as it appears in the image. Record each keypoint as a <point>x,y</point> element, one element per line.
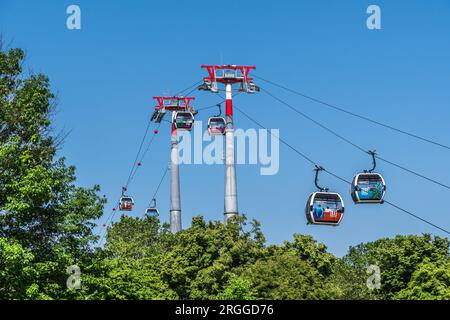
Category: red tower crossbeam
<point>213,77</point>
<point>173,103</point>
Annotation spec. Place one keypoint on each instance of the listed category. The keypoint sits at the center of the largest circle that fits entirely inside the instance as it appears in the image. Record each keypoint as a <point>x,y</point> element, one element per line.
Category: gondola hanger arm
<point>220,110</point>
<point>317,169</point>
<point>373,153</point>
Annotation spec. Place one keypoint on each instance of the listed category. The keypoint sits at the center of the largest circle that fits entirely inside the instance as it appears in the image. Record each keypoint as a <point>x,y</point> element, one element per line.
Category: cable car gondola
<point>368,186</point>
<point>126,203</point>
<point>152,211</point>
<point>183,120</point>
<point>323,207</point>
<point>217,124</point>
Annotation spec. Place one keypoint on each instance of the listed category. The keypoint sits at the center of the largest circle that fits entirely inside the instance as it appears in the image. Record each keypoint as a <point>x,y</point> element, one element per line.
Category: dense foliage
<point>46,224</point>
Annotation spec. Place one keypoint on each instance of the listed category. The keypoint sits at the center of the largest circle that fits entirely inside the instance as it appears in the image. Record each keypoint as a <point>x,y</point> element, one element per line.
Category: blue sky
<point>106,74</point>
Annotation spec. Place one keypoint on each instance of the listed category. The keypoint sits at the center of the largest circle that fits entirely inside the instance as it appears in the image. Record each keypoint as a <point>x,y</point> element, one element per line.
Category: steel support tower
<point>229,75</point>
<point>173,105</point>
<point>175,199</point>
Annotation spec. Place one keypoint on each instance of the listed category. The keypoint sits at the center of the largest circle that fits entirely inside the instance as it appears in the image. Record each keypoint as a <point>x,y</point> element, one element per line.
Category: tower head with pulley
<point>182,112</point>
<point>228,74</point>
<point>173,103</point>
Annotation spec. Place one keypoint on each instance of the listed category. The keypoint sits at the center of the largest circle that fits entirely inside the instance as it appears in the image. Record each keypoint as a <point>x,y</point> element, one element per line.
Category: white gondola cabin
<point>126,203</point>
<point>325,208</point>
<point>184,120</point>
<point>216,126</point>
<point>368,187</point>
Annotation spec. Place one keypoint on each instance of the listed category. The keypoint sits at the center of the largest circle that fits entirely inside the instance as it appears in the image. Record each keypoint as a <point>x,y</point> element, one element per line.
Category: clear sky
<point>106,74</point>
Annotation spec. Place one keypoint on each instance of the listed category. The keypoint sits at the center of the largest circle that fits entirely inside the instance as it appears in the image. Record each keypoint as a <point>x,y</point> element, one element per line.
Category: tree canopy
<point>46,221</point>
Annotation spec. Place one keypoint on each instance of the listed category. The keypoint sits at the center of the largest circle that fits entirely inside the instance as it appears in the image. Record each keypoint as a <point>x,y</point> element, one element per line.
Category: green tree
<point>127,279</point>
<point>285,275</point>
<point>16,271</point>
<point>46,224</point>
<point>351,281</point>
<point>310,250</point>
<point>206,256</point>
<point>238,288</point>
<point>398,259</point>
<point>430,281</point>
<point>136,237</point>
<point>130,265</point>
<point>41,208</point>
<point>300,269</point>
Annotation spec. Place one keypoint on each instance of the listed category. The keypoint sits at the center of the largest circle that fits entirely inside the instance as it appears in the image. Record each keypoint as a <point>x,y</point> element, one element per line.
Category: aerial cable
<point>333,174</point>
<point>314,121</point>
<point>354,144</point>
<point>416,216</point>
<point>355,114</point>
<point>130,178</point>
<point>124,188</point>
<point>108,220</point>
<point>192,90</point>
<point>141,159</point>
<point>137,163</point>
<point>414,173</point>
<point>217,103</point>
<point>159,185</point>
<point>194,85</point>
<point>396,206</point>
<point>277,137</point>
<point>138,153</point>
<point>135,166</point>
<point>211,106</point>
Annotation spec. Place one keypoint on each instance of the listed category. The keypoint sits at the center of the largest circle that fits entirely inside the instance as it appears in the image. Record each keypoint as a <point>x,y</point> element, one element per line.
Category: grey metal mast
<point>230,200</point>
<point>174,104</point>
<point>229,75</point>
<point>175,200</point>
